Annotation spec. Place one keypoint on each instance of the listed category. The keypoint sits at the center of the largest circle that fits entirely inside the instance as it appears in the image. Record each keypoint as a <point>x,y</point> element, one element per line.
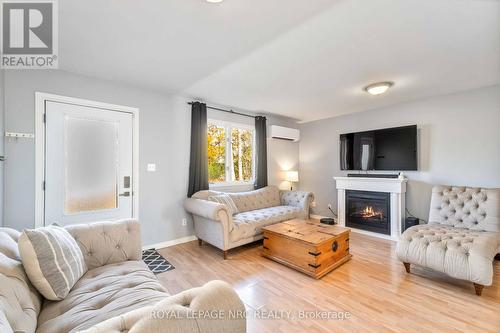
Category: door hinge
<point>44,118</point>
<point>43,185</point>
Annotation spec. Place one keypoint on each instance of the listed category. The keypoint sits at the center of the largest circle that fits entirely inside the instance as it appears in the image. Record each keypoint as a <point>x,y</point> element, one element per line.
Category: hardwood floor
<point>373,287</point>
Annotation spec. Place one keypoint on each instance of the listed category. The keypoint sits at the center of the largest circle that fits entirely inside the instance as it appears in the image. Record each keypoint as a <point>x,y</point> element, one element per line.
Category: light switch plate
<point>151,167</point>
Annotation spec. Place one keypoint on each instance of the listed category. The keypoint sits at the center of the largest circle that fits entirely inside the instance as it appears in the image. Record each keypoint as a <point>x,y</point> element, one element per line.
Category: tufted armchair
<point>462,237</point>
<point>117,294</point>
<point>214,224</point>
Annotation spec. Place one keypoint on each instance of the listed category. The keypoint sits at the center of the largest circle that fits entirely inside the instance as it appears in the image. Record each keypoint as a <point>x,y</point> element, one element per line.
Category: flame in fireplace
<point>368,212</point>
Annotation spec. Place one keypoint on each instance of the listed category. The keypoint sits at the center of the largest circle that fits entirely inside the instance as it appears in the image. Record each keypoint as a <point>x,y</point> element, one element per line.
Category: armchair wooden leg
<point>478,288</point>
<point>407,266</point>
<point>200,242</point>
<point>224,254</point>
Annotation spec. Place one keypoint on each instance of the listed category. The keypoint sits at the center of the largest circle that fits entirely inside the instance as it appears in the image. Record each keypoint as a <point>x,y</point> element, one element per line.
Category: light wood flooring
<point>373,287</point>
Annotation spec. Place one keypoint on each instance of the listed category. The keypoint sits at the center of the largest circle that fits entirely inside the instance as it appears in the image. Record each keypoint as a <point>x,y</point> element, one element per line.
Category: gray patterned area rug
<point>155,261</point>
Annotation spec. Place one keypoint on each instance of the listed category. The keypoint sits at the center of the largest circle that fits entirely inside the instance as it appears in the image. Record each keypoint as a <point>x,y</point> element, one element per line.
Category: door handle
<point>124,194</point>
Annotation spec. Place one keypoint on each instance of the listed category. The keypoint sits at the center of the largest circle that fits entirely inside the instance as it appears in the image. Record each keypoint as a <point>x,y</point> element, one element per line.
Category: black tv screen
<point>392,149</point>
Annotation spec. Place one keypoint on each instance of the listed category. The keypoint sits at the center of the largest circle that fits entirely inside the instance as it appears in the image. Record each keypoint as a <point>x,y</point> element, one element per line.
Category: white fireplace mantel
<point>395,186</point>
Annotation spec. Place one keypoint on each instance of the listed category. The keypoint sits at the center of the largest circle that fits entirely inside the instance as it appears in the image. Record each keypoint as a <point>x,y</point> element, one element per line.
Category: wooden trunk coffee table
<point>307,246</point>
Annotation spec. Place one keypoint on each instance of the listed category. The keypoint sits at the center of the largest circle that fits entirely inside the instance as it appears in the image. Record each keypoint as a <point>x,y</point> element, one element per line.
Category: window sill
<point>231,187</point>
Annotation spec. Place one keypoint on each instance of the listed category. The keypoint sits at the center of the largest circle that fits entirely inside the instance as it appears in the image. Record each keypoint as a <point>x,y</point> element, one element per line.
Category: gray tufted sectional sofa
<point>461,238</point>
<point>117,294</point>
<point>256,209</point>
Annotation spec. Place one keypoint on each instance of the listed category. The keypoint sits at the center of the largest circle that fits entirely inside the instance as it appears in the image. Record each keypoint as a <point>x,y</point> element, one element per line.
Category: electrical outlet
<point>151,167</point>
<point>184,222</point>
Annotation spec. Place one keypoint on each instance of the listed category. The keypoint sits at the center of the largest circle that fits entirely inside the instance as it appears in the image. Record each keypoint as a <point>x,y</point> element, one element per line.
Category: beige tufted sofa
<point>256,209</point>
<point>117,294</point>
<point>462,237</point>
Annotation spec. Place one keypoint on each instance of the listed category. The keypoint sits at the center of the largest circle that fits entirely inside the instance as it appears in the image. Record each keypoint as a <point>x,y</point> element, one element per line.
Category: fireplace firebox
<point>368,211</point>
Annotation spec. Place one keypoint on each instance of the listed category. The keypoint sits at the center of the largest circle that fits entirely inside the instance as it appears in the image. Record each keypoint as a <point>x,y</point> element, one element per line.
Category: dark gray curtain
<point>261,153</point>
<point>198,165</point>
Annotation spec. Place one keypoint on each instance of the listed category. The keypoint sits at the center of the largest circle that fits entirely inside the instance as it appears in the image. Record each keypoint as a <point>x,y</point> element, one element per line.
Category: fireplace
<point>368,211</point>
<point>390,190</point>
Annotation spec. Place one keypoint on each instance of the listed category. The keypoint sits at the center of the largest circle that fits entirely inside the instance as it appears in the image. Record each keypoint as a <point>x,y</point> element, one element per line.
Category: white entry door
<point>88,164</point>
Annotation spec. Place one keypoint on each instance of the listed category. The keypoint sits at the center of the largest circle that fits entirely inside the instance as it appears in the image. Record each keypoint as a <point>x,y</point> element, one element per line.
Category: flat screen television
<point>392,149</point>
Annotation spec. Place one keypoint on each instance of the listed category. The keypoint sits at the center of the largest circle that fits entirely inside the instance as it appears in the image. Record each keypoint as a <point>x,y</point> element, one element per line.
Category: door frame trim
<point>40,99</point>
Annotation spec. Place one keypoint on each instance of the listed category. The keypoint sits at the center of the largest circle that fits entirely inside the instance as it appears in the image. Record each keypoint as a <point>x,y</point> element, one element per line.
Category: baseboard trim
<point>170,242</point>
<point>317,217</point>
<point>373,234</point>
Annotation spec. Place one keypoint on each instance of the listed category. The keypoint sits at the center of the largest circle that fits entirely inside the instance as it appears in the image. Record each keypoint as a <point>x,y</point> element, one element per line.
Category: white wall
<point>459,144</point>
<point>164,140</point>
<point>282,156</point>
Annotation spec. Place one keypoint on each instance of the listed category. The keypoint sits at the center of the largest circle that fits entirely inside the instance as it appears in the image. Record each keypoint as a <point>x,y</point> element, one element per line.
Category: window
<point>230,153</point>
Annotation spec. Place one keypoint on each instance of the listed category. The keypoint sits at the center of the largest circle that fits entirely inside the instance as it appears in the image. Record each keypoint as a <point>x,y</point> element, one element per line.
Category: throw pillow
<point>52,260</point>
<point>225,200</point>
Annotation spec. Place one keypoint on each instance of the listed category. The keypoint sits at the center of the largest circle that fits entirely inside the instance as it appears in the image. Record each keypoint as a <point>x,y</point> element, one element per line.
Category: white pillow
<point>52,260</point>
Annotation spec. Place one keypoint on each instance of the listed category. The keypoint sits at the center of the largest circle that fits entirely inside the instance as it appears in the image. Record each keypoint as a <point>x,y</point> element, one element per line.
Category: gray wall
<point>164,140</point>
<point>459,144</point>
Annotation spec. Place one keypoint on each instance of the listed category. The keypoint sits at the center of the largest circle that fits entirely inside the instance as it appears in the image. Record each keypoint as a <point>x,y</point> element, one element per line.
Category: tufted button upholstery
<point>300,199</point>
<point>462,237</point>
<point>215,295</point>
<point>259,208</point>
<point>461,253</point>
<point>117,291</point>
<point>102,293</point>
<point>20,302</point>
<point>465,207</point>
<point>104,243</point>
<point>268,196</point>
<point>249,224</point>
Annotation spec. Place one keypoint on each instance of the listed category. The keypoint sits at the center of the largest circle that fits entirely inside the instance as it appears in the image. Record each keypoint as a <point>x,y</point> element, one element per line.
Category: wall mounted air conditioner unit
<point>284,133</point>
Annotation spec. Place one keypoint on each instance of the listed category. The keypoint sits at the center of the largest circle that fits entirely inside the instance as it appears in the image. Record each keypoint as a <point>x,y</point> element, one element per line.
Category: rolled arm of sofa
<point>109,242</point>
<point>204,208</point>
<point>215,307</point>
<point>300,199</point>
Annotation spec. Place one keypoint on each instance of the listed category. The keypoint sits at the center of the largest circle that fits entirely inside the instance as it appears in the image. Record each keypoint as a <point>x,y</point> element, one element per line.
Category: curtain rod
<point>228,111</point>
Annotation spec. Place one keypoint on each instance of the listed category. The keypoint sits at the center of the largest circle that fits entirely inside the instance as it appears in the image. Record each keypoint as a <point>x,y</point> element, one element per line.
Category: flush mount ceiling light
<point>214,1</point>
<point>378,88</point>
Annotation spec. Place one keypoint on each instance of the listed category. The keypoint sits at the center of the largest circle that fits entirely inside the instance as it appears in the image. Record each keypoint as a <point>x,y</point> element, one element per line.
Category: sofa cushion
<point>102,293</point>
<point>465,207</point>
<point>20,302</point>
<point>459,252</point>
<point>52,260</point>
<point>268,196</point>
<point>250,223</point>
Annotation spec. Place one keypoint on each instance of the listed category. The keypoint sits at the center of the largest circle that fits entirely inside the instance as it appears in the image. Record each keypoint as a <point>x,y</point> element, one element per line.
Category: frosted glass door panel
<point>91,166</point>
<point>88,164</point>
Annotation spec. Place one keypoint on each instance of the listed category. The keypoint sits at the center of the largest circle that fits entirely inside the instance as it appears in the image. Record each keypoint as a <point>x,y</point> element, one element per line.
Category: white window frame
<point>228,125</point>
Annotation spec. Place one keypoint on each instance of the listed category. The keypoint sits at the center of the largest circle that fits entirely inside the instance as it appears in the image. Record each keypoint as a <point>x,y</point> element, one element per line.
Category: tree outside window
<point>230,153</point>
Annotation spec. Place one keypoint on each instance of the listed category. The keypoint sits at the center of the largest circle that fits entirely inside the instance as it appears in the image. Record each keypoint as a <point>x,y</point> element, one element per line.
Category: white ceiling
<point>302,59</point>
